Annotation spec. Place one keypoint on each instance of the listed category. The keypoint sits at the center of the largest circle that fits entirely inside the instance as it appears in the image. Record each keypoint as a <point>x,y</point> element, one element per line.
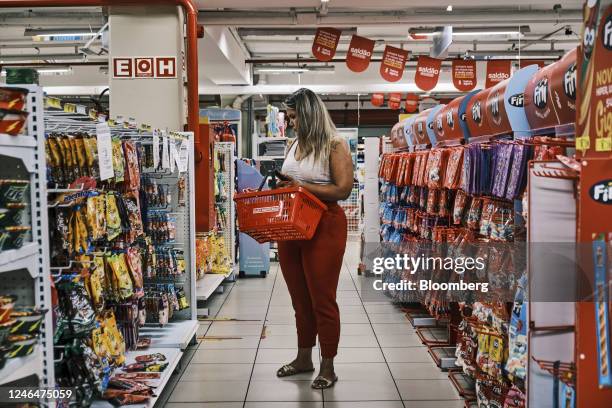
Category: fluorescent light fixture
<point>294,70</point>
<point>476,31</point>
<point>449,7</point>
<point>52,71</point>
<point>67,32</point>
<point>534,54</point>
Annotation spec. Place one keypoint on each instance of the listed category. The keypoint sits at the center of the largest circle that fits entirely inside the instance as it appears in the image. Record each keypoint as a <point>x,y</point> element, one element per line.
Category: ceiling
<point>263,33</point>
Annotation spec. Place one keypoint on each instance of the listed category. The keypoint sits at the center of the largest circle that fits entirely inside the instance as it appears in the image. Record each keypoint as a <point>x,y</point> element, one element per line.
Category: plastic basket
<point>284,214</point>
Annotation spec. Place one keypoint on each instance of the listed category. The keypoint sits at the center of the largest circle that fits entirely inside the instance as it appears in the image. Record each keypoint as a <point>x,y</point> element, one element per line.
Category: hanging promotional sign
<point>476,118</point>
<point>594,120</point>
<point>412,103</point>
<point>325,43</point>
<point>550,95</point>
<point>427,72</point>
<point>464,74</point>
<point>497,71</point>
<point>359,53</point>
<point>378,99</point>
<point>393,63</point>
<point>514,100</point>
<point>395,100</point>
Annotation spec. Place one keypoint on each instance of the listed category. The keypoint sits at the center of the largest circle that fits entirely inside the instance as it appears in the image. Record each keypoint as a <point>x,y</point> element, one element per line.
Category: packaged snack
<point>132,208</point>
<point>459,206</point>
<point>123,283</point>
<point>13,237</point>
<point>474,214</point>
<point>134,261</point>
<point>97,280</point>
<point>118,160</point>
<point>453,168</point>
<point>486,218</point>
<point>435,168</point>
<point>113,220</point>
<point>13,191</point>
<point>132,173</point>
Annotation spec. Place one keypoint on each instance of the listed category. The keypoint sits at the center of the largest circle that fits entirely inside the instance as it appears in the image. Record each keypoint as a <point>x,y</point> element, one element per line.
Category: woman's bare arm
<point>341,172</point>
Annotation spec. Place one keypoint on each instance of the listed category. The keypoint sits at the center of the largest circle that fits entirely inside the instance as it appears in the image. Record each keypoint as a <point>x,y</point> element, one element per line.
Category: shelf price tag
<point>603,144</point>
<point>105,151</point>
<point>183,156</point>
<point>81,109</point>
<point>165,151</point>
<point>155,148</point>
<point>51,102</point>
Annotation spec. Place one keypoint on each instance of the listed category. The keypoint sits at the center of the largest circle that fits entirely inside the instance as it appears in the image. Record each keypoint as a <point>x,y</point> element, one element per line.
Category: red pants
<point>311,270</point>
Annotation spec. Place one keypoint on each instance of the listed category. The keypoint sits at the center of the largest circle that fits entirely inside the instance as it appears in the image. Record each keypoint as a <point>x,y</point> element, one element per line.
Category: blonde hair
<point>315,127</point>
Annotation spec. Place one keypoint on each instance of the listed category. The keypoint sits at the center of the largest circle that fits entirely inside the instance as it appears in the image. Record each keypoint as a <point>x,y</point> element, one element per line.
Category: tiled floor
<point>380,363</point>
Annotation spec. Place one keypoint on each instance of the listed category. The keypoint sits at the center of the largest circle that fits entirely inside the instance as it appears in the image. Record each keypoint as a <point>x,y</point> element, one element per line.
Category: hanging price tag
<point>105,151</point>
<point>173,156</point>
<point>183,162</point>
<point>155,149</point>
<point>603,144</point>
<point>165,151</point>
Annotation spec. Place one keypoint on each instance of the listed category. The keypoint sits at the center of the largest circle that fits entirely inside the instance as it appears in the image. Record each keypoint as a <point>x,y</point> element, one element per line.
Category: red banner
<point>359,54</point>
<point>412,103</point>
<point>427,73</point>
<point>393,63</point>
<point>526,63</point>
<point>464,74</point>
<point>378,99</point>
<point>497,71</point>
<point>325,43</point>
<point>395,100</point>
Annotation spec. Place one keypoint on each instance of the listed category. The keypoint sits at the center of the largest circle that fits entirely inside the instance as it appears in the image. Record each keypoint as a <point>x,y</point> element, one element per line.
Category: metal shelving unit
<point>25,271</point>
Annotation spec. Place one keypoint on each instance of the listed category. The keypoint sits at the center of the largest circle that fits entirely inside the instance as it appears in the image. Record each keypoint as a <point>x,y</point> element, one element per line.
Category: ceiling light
<point>476,31</point>
<point>52,71</point>
<point>550,54</point>
<point>449,7</point>
<point>65,32</point>
<point>294,70</point>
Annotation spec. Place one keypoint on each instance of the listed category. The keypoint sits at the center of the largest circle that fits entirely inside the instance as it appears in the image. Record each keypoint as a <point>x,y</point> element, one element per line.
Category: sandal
<point>288,370</point>
<point>322,383</point>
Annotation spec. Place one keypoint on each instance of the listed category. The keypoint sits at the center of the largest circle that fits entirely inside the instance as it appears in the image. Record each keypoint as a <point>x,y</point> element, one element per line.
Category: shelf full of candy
<point>25,298</point>
<point>224,201</point>
<point>122,245</point>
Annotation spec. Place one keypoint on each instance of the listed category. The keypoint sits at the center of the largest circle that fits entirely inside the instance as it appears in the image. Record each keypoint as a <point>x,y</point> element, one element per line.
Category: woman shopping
<point>320,161</point>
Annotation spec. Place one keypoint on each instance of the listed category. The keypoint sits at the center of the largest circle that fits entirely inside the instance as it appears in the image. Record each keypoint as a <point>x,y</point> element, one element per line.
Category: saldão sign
<point>144,67</point>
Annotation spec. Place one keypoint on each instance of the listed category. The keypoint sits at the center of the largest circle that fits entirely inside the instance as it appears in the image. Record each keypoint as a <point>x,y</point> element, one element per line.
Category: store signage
<point>448,122</point>
<point>427,72</point>
<point>393,63</point>
<point>477,119</point>
<point>419,128</point>
<point>144,67</point>
<point>325,43</point>
<point>602,192</point>
<point>395,100</point>
<point>550,94</point>
<point>594,79</point>
<point>412,103</point>
<point>514,100</point>
<point>359,53</point>
<point>497,71</point>
<point>377,99</point>
<point>431,118</point>
<point>496,109</point>
<point>464,74</point>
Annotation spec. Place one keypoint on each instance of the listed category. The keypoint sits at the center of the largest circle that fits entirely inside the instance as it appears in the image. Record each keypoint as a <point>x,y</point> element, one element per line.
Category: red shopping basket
<point>283,214</point>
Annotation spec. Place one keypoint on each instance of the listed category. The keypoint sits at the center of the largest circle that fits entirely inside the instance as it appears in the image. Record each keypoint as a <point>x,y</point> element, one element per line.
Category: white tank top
<point>305,170</point>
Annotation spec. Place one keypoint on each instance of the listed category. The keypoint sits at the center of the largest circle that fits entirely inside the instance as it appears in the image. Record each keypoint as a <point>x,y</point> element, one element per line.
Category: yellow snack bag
<point>124,287</point>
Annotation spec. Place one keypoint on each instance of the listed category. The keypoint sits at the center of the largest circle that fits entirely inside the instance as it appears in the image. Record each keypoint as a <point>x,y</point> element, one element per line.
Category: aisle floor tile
<point>281,329</point>
<point>236,356</point>
<point>279,356</point>
<point>363,404</point>
<point>399,340</point>
<point>407,355</point>
<point>363,371</point>
<point>203,405</point>
<point>245,342</point>
<point>217,372</point>
<point>388,318</point>
<point>427,390</point>
<point>235,329</point>
<point>285,404</point>
<point>276,341</point>
<point>417,371</point>
<point>434,404</point>
<point>366,389</point>
<point>283,391</point>
<point>209,391</point>
<point>359,355</point>
<point>363,340</point>
<point>393,328</point>
<point>356,329</point>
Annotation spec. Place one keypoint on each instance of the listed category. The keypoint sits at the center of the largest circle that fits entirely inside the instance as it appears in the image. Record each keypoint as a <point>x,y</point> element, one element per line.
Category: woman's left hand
<point>287,181</point>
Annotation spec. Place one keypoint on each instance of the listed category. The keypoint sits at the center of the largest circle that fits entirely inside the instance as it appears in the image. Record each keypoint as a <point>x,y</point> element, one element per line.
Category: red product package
<point>132,173</point>
<point>435,168</point>
<point>423,170</point>
<point>453,168</point>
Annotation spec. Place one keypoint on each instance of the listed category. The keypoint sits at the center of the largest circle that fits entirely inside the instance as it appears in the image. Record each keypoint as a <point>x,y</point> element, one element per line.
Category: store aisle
<point>380,361</point>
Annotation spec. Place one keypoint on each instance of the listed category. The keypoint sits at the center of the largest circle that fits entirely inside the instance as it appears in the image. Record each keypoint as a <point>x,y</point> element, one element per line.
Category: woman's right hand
<point>286,181</point>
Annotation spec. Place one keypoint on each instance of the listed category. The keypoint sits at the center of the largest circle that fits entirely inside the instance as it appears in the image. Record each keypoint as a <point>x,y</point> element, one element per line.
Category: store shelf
<point>271,139</point>
<point>17,368</point>
<point>171,335</point>
<point>433,336</point>
<point>270,157</point>
<point>14,259</point>
<point>444,357</point>
<point>17,141</point>
<point>464,385</point>
<point>208,284</point>
<point>173,357</point>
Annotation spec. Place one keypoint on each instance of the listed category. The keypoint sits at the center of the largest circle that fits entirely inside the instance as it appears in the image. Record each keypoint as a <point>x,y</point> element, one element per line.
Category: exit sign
<point>144,67</point>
